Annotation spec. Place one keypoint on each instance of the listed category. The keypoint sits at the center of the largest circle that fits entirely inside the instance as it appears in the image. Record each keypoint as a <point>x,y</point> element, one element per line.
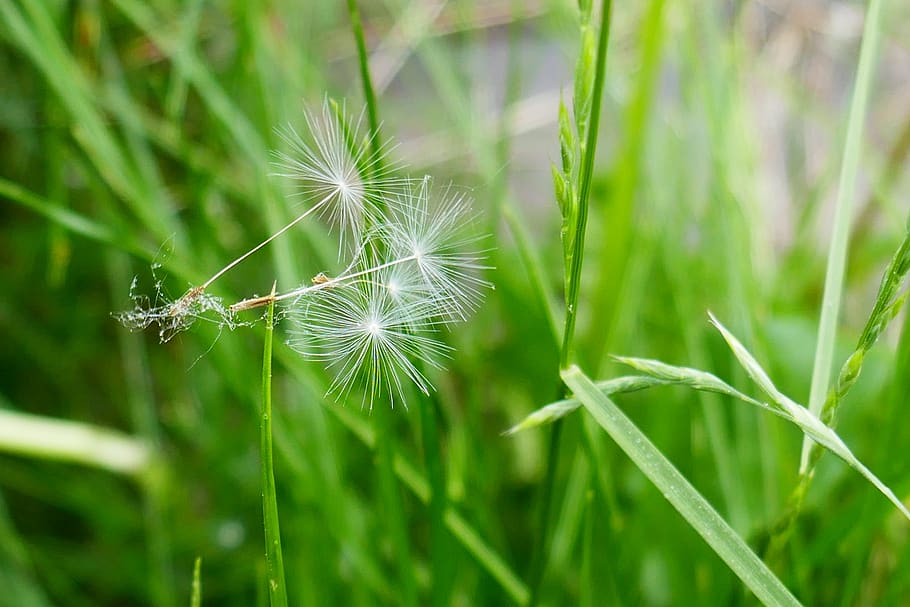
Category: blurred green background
<point>138,134</point>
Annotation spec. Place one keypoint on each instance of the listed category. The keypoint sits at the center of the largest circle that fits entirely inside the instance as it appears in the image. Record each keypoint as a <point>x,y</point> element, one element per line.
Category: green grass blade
<point>390,498</point>
<point>474,543</point>
<point>274,560</point>
<point>76,442</point>
<point>846,195</point>
<point>196,592</point>
<point>440,553</point>
<point>679,492</point>
<point>366,81</point>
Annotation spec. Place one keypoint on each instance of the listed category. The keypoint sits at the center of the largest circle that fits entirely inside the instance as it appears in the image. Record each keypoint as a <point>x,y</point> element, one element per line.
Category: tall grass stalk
<point>584,188</point>
<point>393,506</point>
<point>196,588</point>
<point>366,80</point>
<point>582,139</point>
<point>846,196</point>
<point>274,560</point>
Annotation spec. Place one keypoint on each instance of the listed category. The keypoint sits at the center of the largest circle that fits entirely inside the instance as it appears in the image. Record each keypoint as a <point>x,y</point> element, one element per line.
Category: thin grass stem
<point>390,496</point>
<point>846,196</point>
<point>366,80</point>
<point>274,560</point>
<point>440,554</point>
<point>584,190</point>
<point>573,285</point>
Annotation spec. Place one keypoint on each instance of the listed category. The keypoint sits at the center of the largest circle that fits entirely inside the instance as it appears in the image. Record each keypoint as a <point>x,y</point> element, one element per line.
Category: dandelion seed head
<point>412,269</point>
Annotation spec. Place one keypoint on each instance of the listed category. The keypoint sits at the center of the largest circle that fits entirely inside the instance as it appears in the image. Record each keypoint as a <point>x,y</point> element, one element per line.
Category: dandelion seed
<point>337,168</point>
<point>369,336</point>
<point>339,175</point>
<point>446,259</point>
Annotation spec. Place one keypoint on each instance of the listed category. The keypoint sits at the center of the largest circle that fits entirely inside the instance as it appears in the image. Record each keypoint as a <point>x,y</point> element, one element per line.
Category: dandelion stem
<point>264,300</point>
<point>290,225</point>
<point>333,282</point>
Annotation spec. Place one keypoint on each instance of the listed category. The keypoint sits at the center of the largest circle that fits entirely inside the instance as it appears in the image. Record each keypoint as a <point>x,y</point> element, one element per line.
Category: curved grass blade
<point>808,422</point>
<point>657,374</point>
<point>679,492</point>
<point>559,409</point>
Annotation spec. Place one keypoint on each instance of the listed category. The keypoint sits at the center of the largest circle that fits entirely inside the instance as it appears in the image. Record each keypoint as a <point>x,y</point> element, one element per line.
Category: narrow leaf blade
<point>682,495</point>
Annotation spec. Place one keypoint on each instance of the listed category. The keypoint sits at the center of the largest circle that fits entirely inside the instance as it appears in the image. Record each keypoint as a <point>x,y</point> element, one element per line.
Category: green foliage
<point>138,140</point>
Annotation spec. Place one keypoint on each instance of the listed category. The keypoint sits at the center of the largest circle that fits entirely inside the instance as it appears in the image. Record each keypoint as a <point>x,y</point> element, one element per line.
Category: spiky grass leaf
<point>699,380</point>
<point>559,409</point>
<point>808,422</point>
<point>584,79</point>
<point>703,518</point>
<point>545,415</point>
